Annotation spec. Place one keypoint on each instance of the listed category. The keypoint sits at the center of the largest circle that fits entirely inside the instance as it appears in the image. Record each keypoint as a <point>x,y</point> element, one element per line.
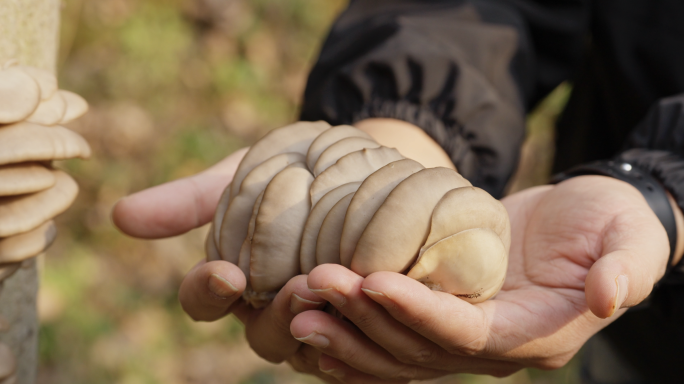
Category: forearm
<point>408,139</point>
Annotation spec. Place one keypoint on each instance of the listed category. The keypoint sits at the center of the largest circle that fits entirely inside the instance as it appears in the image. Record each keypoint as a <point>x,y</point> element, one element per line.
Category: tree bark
<point>29,33</point>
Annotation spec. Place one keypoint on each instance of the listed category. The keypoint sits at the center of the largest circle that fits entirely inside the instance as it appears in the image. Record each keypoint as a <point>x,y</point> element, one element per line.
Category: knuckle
<point>472,349</point>
<point>279,323</point>
<point>420,356</point>
<point>348,355</point>
<point>365,320</point>
<point>304,362</point>
<point>299,364</point>
<point>406,372</point>
<point>419,324</point>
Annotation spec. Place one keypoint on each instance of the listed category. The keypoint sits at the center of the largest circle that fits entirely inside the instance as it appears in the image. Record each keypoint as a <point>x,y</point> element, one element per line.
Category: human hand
<point>582,252</point>
<point>212,290</point>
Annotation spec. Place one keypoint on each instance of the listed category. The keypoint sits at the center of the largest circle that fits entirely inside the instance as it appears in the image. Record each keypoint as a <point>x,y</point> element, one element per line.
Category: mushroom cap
<point>292,138</point>
<point>7,270</point>
<point>339,149</point>
<point>23,213</point>
<point>307,253</point>
<point>76,106</point>
<point>330,137</point>
<point>355,166</point>
<point>470,264</point>
<point>400,226</point>
<point>19,95</point>
<point>246,249</point>
<point>18,179</point>
<point>8,363</point>
<point>26,245</point>
<point>465,208</point>
<point>210,247</point>
<point>328,243</point>
<point>278,230</point>
<point>236,217</point>
<point>220,212</point>
<point>50,111</point>
<point>47,82</point>
<point>369,197</point>
<point>32,142</point>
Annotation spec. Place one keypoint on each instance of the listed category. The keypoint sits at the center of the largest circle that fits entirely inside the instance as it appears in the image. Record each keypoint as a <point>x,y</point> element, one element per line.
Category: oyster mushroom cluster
<point>309,194</point>
<point>32,192</point>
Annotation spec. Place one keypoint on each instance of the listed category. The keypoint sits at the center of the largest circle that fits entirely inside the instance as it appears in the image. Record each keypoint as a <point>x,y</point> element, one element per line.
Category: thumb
<point>624,277</point>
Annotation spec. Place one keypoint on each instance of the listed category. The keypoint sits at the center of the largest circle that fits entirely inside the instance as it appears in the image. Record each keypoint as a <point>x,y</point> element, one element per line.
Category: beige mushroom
<point>26,245</point>
<point>220,213</point>
<point>19,95</point>
<point>49,111</point>
<point>7,270</point>
<point>8,363</point>
<point>20,214</point>
<point>292,138</point>
<point>274,258</point>
<point>246,249</point>
<point>210,247</point>
<point>330,137</point>
<point>355,166</point>
<point>18,179</point>
<point>236,218</point>
<point>328,242</point>
<point>76,106</point>
<point>371,194</point>
<point>307,253</point>
<point>465,208</point>
<point>470,264</point>
<point>339,149</point>
<point>400,226</point>
<point>47,82</point>
<point>32,142</point>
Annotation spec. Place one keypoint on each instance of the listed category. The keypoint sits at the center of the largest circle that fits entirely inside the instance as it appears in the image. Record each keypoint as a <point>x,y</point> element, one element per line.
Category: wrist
<point>650,188</point>
<point>411,141</point>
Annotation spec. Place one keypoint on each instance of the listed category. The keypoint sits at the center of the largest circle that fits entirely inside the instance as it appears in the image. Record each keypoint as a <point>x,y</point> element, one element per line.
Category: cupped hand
<point>582,252</point>
<point>212,290</point>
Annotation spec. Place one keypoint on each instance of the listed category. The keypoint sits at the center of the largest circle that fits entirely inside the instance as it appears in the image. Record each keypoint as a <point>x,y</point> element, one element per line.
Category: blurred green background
<point>174,86</point>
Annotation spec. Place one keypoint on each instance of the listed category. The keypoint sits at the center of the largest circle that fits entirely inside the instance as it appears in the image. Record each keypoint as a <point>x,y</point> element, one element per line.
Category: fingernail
<point>299,304</point>
<point>332,295</point>
<point>336,373</point>
<point>376,296</point>
<point>622,283</point>
<point>221,287</point>
<point>315,340</point>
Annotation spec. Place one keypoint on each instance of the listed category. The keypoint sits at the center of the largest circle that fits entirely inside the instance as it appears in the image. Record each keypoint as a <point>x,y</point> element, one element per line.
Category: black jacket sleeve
<point>463,71</point>
<point>657,146</point>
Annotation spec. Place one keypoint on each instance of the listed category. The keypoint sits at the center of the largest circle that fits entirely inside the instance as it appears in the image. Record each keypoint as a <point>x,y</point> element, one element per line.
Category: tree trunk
<point>29,33</point>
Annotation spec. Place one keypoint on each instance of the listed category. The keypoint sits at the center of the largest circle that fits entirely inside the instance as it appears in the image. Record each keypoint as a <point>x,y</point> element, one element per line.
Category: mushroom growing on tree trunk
<point>31,191</point>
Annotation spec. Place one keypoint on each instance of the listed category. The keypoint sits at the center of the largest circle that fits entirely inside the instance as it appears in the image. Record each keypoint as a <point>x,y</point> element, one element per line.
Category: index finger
<point>176,207</point>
